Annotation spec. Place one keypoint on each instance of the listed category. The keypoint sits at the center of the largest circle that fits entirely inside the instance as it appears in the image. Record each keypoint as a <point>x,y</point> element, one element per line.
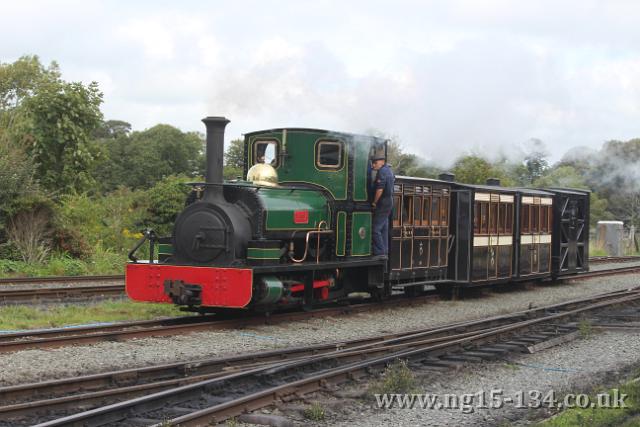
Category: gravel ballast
<point>576,367</point>
<point>39,365</point>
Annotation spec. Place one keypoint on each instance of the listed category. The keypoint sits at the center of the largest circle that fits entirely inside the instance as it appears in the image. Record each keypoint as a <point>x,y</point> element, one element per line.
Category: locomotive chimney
<point>494,182</point>
<point>215,153</point>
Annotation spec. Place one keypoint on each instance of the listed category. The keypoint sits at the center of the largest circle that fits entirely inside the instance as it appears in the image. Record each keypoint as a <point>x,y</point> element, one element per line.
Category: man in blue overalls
<point>382,205</point>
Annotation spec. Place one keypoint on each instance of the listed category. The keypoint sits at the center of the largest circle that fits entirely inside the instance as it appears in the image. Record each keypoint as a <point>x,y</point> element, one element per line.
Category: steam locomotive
<point>297,231</point>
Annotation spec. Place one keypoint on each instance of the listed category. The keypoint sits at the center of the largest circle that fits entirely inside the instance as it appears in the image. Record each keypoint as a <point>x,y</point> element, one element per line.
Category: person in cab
<point>382,205</point>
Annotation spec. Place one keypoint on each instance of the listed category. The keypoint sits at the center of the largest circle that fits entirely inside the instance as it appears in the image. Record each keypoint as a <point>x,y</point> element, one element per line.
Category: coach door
<point>406,235</point>
<point>420,258</point>
<point>493,236</point>
<point>396,229</point>
<point>420,231</point>
<point>535,235</point>
<point>402,227</point>
<point>439,227</point>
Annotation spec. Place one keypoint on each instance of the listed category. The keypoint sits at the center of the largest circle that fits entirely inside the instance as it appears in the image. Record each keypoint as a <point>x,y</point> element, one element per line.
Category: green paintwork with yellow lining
<point>360,152</point>
<point>361,234</point>
<point>281,205</point>
<point>341,232</point>
<point>299,164</point>
<point>263,253</point>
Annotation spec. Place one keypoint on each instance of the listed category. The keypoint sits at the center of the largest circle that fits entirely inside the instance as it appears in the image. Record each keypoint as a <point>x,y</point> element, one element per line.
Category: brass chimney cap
<point>263,175</point>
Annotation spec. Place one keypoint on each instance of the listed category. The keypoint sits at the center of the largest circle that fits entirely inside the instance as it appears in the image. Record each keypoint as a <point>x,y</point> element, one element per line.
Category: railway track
<point>66,294</point>
<point>81,293</point>
<point>613,259</point>
<point>45,290</point>
<point>59,337</point>
<point>205,391</point>
<point>60,279</point>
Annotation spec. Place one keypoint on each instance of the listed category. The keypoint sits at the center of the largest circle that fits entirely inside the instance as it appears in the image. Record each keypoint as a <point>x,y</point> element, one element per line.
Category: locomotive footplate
<point>183,293</point>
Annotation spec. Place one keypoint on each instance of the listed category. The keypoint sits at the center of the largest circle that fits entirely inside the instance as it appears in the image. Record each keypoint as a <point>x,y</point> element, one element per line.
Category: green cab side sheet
<point>282,205</point>
<point>361,234</point>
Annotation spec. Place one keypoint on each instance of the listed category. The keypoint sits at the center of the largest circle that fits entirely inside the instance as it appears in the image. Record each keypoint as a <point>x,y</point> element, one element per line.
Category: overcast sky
<point>445,77</point>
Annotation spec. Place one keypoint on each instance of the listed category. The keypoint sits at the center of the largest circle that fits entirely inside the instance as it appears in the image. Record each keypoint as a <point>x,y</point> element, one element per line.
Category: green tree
<point>51,119</point>
<point>535,161</point>
<point>473,169</point>
<point>234,159</point>
<point>22,78</point>
<point>16,176</point>
<point>144,158</point>
<point>165,201</point>
<point>112,129</point>
<point>62,118</point>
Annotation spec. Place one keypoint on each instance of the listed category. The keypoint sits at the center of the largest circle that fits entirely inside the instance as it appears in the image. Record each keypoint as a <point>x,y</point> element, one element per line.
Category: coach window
<point>544,219</point>
<point>502,216</point>
<point>417,210</point>
<point>407,210</point>
<point>493,218</point>
<point>435,210</point>
<point>329,155</point>
<point>535,219</point>
<point>444,211</point>
<point>426,211</point>
<point>484,218</point>
<point>396,211</point>
<point>266,152</point>
<point>525,218</point>
<point>509,219</point>
<point>476,218</point>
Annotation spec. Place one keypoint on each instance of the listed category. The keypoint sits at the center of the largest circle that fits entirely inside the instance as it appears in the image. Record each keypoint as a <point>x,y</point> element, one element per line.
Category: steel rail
<point>50,338</point>
<point>59,279</point>
<point>57,337</point>
<point>399,347</point>
<point>263,398</point>
<point>614,259</point>
<point>88,390</point>
<point>65,294</point>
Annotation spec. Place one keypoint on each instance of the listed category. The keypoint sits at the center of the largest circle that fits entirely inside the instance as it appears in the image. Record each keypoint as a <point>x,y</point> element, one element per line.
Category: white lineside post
<point>610,235</point>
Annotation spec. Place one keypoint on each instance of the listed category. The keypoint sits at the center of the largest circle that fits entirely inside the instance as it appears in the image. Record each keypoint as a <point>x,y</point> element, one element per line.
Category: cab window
<point>329,154</point>
<point>266,152</point>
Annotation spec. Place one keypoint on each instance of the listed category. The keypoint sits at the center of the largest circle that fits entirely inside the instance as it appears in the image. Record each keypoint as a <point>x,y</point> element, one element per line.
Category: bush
<point>63,265</point>
<point>85,222</point>
<point>9,251</point>
<point>8,266</point>
<point>165,201</point>
<point>397,378</point>
<point>106,261</point>
<point>30,231</point>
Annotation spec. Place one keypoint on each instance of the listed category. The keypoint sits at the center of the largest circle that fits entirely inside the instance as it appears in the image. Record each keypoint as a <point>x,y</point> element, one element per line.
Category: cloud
<point>447,78</point>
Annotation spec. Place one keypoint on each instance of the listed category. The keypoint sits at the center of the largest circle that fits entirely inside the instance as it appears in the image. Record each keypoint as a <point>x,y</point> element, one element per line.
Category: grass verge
<point>601,417</point>
<point>102,262</point>
<point>28,317</point>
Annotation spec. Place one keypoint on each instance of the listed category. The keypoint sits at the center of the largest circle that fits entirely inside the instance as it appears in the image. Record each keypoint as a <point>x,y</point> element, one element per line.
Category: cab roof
<point>346,135</point>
